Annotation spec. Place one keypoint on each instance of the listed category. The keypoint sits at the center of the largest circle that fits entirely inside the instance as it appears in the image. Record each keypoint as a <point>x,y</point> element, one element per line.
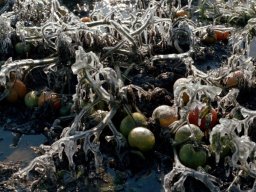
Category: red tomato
<point>204,117</point>
<point>49,96</point>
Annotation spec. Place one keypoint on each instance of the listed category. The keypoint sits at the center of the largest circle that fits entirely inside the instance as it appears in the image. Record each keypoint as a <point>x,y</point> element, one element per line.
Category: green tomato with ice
<point>192,156</point>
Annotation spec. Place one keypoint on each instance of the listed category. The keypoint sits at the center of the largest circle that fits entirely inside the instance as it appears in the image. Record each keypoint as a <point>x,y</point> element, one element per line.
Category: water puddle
<point>22,152</point>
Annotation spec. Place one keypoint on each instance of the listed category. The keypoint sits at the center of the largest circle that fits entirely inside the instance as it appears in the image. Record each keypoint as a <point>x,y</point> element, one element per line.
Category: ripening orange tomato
<point>20,88</point>
<point>181,13</point>
<point>17,90</point>
<point>165,115</point>
<point>221,35</point>
<point>12,96</point>
<point>85,19</point>
<point>233,79</point>
<point>50,97</point>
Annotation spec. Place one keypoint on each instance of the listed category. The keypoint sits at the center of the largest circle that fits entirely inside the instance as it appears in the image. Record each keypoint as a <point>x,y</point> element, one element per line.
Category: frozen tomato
<point>17,89</point>
<point>51,98</point>
<point>31,99</point>
<point>165,115</point>
<point>203,116</point>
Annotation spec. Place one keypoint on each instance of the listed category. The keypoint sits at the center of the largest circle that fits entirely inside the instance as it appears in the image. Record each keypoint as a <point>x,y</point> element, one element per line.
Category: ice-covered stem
<point>94,134</point>
<point>88,66</point>
<point>20,66</point>
<point>210,79</point>
<point>77,120</point>
<point>119,138</point>
<point>172,56</point>
<point>230,99</point>
<point>10,65</point>
<point>44,161</point>
<point>183,172</point>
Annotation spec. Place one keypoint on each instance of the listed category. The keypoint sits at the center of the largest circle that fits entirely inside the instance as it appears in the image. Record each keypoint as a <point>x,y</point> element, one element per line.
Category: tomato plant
<point>192,156</point>
<point>165,115</point>
<point>141,138</point>
<point>132,121</point>
<point>203,116</point>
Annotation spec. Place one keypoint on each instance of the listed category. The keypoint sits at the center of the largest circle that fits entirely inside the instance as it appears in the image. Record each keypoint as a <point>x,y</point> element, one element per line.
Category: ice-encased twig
<point>21,64</point>
<point>119,138</point>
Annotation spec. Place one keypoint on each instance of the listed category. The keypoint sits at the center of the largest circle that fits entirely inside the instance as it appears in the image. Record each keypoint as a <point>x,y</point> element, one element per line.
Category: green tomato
<point>192,156</point>
<point>31,99</point>
<point>65,109</point>
<point>132,121</point>
<point>184,132</point>
<point>141,138</point>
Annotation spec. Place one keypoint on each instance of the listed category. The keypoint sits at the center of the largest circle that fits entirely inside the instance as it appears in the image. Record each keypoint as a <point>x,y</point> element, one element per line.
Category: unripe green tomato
<point>141,138</point>
<point>65,109</point>
<point>192,156</point>
<point>184,132</point>
<point>129,122</point>
<point>31,99</point>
